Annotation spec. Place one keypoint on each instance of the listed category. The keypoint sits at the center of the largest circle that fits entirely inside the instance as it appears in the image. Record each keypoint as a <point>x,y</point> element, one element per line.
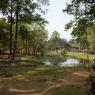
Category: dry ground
<point>45,81</point>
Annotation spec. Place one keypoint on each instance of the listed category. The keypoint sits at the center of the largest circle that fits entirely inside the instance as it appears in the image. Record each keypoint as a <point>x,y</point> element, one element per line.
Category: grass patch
<point>33,59</point>
<point>30,78</point>
<point>74,54</point>
<point>81,55</point>
<point>38,71</point>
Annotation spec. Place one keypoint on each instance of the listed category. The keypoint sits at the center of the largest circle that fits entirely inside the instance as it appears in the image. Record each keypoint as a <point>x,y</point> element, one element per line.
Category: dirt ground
<point>45,85</point>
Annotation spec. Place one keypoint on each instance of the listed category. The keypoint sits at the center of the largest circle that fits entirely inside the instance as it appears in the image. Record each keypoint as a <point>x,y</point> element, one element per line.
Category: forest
<point>32,62</point>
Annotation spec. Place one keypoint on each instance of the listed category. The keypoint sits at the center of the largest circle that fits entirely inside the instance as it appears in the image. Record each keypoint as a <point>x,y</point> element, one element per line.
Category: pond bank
<point>74,54</point>
<point>81,55</point>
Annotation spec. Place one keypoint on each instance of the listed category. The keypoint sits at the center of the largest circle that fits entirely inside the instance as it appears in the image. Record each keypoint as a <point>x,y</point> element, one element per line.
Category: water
<point>72,62</point>
<point>69,62</point>
<point>64,61</point>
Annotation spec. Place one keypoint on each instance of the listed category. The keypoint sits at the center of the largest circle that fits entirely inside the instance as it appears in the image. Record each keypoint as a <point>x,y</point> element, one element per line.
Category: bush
<point>63,52</point>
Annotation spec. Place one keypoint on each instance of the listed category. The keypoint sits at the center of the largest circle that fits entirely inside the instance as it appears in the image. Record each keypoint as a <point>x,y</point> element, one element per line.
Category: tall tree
<point>24,33</point>
<point>25,11</point>
<point>54,40</point>
<point>81,9</point>
<point>4,34</point>
<point>6,8</point>
<point>16,31</point>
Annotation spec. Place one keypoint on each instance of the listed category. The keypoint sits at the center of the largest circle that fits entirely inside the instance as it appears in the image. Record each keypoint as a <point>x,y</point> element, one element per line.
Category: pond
<point>64,61</point>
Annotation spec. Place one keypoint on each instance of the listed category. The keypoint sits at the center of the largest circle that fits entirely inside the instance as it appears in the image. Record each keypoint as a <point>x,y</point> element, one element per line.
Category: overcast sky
<point>57,19</point>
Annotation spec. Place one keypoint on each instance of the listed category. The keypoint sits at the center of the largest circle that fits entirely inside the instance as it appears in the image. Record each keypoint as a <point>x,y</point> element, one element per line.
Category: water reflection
<point>54,61</point>
<point>64,61</point>
<point>69,62</point>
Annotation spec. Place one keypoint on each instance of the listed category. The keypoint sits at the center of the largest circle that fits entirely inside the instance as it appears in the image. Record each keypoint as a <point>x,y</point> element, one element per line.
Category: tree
<point>91,37</point>
<point>55,36</point>
<point>38,38</point>
<point>54,40</point>
<point>4,34</point>
<point>83,16</point>
<point>16,30</point>
<point>42,35</point>
<point>24,35</point>
<point>16,11</point>
<point>6,8</point>
<point>25,9</point>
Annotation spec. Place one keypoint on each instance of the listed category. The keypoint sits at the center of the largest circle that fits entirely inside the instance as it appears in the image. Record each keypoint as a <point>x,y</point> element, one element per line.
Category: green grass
<point>52,53</point>
<point>32,59</point>
<point>38,71</point>
<point>29,78</point>
<point>81,55</point>
<point>75,54</point>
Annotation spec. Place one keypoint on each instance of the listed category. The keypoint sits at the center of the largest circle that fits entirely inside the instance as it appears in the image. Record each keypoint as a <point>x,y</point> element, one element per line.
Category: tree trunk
<point>86,30</point>
<point>34,51</point>
<point>11,32</point>
<point>16,33</point>
<point>26,44</point>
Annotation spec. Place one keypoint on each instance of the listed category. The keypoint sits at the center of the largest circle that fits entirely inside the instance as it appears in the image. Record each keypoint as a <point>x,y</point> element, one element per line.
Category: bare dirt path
<point>73,77</point>
<point>70,78</point>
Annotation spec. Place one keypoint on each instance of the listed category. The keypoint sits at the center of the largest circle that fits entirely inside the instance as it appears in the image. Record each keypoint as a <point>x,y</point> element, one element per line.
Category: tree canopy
<point>19,16</point>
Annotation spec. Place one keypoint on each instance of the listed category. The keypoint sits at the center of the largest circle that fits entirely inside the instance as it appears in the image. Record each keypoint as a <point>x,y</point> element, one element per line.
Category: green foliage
<point>23,31</point>
<point>33,36</point>
<point>39,39</point>
<point>91,36</point>
<point>54,40</point>
<point>69,25</point>
<point>4,34</point>
<point>55,36</point>
<point>84,14</point>
<point>20,15</point>
<point>63,52</point>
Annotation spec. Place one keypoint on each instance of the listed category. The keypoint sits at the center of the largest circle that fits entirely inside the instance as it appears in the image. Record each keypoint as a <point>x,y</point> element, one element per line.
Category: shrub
<point>63,52</point>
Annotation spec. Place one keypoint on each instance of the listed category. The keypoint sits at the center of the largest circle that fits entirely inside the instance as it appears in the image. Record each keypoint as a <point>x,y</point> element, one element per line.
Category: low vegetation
<point>81,55</point>
<point>63,52</point>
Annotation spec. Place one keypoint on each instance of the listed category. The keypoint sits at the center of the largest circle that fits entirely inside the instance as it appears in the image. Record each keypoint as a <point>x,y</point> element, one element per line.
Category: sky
<point>57,19</point>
